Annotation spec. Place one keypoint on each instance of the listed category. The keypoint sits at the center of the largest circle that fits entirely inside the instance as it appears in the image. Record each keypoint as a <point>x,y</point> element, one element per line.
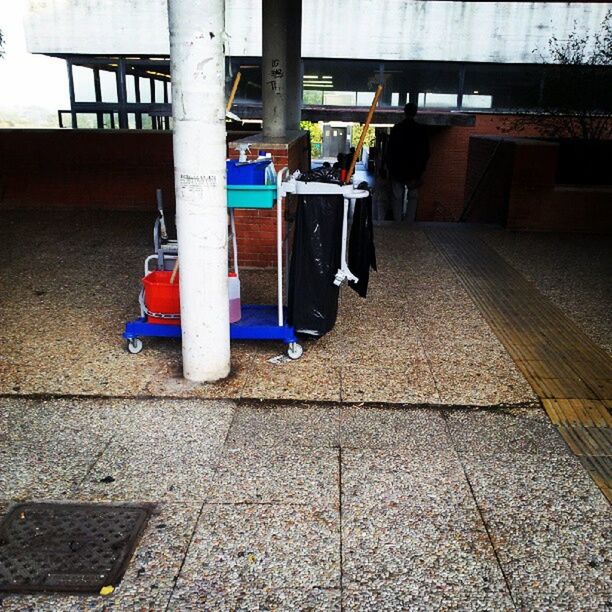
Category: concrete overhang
<point>436,30</point>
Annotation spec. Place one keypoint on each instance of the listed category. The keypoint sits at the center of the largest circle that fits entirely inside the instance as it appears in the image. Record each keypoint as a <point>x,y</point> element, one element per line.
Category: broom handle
<point>232,95</point>
<point>357,153</point>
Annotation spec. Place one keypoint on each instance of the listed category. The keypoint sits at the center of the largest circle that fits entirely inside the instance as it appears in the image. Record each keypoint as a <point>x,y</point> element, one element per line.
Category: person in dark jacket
<point>407,155</point>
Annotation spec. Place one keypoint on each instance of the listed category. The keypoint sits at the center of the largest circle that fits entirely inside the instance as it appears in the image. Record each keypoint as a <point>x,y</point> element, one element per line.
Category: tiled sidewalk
<point>294,506</point>
<point>418,338</point>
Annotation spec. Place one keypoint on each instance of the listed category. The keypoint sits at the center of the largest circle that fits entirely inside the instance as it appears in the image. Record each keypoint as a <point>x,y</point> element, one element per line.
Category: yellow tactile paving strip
<point>569,372</point>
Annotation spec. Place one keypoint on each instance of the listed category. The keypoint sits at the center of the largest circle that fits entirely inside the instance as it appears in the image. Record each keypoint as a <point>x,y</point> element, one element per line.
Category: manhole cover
<point>67,547</point>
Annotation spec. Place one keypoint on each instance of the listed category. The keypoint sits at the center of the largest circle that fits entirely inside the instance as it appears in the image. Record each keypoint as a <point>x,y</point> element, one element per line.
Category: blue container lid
<point>246,173</point>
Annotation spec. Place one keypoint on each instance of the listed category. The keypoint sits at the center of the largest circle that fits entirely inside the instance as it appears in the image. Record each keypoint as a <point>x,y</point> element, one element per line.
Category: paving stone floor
<point>375,491</point>
<point>73,281</point>
<point>320,506</point>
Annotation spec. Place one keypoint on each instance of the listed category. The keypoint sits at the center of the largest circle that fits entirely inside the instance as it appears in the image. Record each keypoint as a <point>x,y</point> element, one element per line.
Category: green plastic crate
<point>251,196</point>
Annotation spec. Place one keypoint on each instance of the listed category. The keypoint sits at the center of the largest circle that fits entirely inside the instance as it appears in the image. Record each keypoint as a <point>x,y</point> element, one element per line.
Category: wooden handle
<point>349,174</point>
<point>232,95</point>
<point>174,271</point>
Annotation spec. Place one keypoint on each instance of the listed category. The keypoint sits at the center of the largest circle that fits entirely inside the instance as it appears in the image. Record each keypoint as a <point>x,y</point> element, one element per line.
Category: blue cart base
<point>257,323</point>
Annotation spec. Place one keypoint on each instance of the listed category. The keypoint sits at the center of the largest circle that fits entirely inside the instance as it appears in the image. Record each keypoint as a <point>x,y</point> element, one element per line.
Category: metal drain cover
<point>67,547</point>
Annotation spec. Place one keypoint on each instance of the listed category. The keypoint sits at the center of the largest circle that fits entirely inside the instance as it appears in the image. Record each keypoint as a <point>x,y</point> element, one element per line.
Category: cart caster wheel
<point>295,350</point>
<point>134,345</point>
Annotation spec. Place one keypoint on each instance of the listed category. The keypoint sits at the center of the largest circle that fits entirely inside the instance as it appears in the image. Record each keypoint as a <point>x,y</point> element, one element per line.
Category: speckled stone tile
<point>240,554</point>
<point>408,557</point>
<point>178,470</point>
<point>534,483</point>
<point>74,421</point>
<point>150,575</point>
<point>246,598</point>
<point>557,558</point>
<point>45,470</point>
<point>419,429</point>
<point>52,379</point>
<point>263,425</point>
<point>388,477</point>
<point>258,285</point>
<point>402,382</point>
<point>51,446</point>
<point>550,527</point>
<point>374,334</point>
<point>302,379</point>
<point>273,476</point>
<point>477,382</point>
<point>166,450</point>
<point>519,430</point>
<point>368,350</point>
<point>168,379</point>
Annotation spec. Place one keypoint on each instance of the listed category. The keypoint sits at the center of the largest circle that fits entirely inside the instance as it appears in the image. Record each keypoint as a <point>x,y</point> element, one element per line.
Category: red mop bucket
<point>161,297</point>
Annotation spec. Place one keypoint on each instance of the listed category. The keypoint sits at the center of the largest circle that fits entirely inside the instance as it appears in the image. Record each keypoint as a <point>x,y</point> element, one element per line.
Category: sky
<point>27,79</point>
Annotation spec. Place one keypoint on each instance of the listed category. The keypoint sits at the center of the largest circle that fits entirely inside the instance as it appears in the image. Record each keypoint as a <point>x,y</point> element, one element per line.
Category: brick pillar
<point>256,229</point>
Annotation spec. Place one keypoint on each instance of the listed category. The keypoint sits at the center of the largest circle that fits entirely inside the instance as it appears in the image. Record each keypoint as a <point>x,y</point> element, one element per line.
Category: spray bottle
<point>270,171</point>
<point>243,147</point>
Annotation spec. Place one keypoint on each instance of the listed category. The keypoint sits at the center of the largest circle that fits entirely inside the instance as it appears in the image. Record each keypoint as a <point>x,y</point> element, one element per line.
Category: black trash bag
<point>312,302</point>
<point>361,251</point>
<point>321,175</point>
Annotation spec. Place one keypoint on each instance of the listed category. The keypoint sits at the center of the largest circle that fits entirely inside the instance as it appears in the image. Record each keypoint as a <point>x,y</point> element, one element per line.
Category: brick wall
<point>488,179</point>
<point>120,170</point>
<point>516,182</point>
<point>441,198</point>
<point>537,202</point>
<point>95,169</point>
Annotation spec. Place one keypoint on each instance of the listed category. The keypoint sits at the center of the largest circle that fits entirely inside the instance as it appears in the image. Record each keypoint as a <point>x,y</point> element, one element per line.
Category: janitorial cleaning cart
<point>249,186</point>
<point>257,322</point>
<point>159,298</point>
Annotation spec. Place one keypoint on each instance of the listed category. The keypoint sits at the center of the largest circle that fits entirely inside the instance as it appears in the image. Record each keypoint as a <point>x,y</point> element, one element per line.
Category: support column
<point>461,86</point>
<point>167,119</point>
<point>98,92</point>
<point>122,95</point>
<point>385,98</point>
<point>197,64</point>
<point>275,20</point>
<point>294,65</point>
<point>73,114</point>
<point>137,92</point>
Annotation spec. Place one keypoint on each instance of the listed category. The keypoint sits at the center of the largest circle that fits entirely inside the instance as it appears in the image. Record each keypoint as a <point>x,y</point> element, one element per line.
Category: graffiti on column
<point>276,76</point>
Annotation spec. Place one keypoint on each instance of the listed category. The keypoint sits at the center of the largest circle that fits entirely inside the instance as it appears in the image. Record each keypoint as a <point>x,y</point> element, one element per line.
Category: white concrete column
<point>274,66</point>
<point>197,63</point>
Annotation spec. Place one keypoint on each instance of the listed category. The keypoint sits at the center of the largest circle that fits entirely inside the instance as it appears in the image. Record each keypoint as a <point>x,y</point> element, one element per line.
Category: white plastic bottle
<point>233,283</point>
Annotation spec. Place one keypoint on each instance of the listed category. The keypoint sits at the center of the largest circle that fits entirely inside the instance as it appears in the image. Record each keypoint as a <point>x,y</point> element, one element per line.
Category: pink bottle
<point>234,297</point>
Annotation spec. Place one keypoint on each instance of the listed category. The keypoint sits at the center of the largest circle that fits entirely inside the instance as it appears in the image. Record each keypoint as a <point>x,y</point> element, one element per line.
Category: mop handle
<point>357,153</point>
